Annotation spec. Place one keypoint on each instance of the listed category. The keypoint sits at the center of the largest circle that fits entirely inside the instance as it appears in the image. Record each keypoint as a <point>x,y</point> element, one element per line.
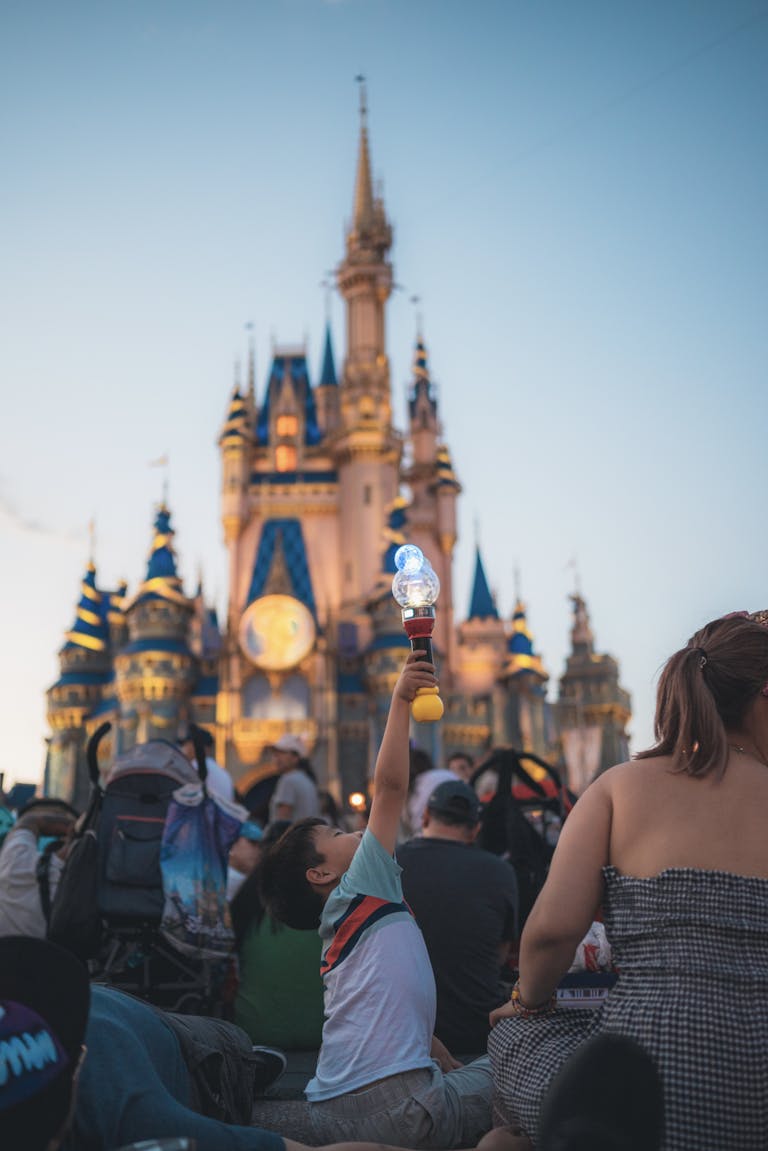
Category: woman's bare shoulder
<point>633,773</point>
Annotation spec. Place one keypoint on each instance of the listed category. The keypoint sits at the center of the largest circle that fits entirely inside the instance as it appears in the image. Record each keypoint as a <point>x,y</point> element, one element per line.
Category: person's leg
<point>226,1070</point>
<point>469,1096</point>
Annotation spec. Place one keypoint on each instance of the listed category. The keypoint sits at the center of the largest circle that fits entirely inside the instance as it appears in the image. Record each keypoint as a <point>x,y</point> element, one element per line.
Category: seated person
<point>280,993</point>
<point>465,902</point>
<point>376,1076</point>
<point>21,905</point>
<point>672,846</point>
<point>116,1068</point>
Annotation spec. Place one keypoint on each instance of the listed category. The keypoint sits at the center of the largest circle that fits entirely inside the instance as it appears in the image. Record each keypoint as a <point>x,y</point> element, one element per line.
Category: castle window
<point>285,458</point>
<point>287,425</point>
<point>367,494</point>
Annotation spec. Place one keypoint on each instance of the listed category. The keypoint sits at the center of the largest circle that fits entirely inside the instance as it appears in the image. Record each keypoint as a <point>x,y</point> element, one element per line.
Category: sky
<point>578,194</point>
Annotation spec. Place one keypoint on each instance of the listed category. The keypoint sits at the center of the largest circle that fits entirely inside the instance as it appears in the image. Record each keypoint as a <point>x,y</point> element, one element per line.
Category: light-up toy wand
<point>416,587</point>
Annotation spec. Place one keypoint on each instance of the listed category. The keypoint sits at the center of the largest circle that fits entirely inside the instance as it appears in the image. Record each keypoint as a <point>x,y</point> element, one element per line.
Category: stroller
<point>109,907</point>
<point>522,817</point>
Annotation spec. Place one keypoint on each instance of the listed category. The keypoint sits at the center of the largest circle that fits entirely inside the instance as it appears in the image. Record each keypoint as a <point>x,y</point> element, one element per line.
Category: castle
<point>318,489</point>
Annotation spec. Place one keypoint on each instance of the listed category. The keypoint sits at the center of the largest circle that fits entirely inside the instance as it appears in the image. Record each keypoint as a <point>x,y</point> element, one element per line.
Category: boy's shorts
<point>420,1109</point>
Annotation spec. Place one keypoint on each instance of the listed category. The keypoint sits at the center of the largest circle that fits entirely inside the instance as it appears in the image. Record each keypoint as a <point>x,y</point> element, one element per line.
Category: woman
<point>280,995</point>
<point>673,846</point>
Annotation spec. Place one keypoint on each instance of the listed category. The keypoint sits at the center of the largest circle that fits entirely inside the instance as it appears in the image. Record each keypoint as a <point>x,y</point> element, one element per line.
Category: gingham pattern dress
<point>691,948</point>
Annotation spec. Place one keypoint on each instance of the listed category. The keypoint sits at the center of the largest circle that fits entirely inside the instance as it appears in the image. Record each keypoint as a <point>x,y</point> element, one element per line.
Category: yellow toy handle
<point>427,707</point>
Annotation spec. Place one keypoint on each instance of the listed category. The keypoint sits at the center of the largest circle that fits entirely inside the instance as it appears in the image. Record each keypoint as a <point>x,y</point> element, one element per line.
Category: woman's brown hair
<point>705,690</point>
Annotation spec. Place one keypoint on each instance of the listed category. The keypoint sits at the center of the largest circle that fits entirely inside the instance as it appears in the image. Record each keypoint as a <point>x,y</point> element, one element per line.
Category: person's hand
<point>55,824</point>
<point>443,1057</point>
<point>416,673</point>
<point>506,1011</point>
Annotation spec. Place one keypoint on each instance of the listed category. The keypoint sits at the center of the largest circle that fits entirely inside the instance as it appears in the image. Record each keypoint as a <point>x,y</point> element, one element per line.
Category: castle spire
<point>522,656</point>
<point>90,629</point>
<point>582,639</point>
<point>162,581</point>
<point>481,605</point>
<point>328,370</point>
<point>363,209</point>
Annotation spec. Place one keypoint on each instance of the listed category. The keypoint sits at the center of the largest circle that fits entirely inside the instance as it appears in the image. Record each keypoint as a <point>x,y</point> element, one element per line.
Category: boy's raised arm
<point>390,778</point>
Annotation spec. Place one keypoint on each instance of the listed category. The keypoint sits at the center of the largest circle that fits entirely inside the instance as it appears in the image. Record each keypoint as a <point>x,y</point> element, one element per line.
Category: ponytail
<point>706,689</point>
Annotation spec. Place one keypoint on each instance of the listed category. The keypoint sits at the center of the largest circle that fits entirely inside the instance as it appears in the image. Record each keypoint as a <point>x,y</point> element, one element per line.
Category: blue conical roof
<point>90,629</point>
<point>162,581</point>
<point>481,605</point>
<point>328,370</point>
<point>522,656</point>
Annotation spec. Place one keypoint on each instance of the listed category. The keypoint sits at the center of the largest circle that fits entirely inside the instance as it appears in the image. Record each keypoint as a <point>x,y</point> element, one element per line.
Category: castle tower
<point>592,708</point>
<point>525,679</point>
<point>367,449</point>
<point>156,670</point>
<point>327,390</point>
<point>85,670</point>
<point>434,491</point>
<point>280,519</point>
<point>476,706</point>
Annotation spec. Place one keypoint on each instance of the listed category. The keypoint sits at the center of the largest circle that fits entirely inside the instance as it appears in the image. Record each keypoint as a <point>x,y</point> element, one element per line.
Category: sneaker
<point>269,1066</point>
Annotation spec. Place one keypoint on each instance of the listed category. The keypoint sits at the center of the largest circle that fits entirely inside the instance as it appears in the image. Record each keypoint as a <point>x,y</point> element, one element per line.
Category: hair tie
<point>702,656</point>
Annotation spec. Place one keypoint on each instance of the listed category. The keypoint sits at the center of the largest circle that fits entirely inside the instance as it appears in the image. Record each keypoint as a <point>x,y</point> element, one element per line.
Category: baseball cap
<point>44,1002</point>
<point>292,743</point>
<point>456,800</point>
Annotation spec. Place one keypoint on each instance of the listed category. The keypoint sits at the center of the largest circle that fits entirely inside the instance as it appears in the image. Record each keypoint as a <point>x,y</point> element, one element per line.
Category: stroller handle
<point>92,752</point>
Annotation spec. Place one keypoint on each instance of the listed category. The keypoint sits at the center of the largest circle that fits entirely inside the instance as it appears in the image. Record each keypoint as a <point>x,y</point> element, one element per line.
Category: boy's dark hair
<point>285,889</point>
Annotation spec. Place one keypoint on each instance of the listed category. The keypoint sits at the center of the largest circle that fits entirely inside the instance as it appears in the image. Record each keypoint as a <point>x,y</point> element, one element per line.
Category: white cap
<point>292,743</point>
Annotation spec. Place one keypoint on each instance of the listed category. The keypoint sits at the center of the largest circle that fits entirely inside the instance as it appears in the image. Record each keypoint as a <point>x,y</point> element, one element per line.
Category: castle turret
<point>481,647</point>
<point>327,390</point>
<point>593,710</point>
<point>367,448</point>
<point>525,681</point>
<point>85,672</point>
<point>156,669</point>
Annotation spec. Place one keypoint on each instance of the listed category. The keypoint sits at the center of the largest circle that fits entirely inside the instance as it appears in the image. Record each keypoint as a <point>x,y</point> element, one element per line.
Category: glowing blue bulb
<point>409,558</point>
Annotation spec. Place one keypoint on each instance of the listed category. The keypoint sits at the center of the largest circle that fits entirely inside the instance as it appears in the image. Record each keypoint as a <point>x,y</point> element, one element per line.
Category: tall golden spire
<point>363,212</point>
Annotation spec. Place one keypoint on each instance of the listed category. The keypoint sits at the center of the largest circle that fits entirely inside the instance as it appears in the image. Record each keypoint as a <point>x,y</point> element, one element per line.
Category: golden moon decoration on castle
<point>276,632</point>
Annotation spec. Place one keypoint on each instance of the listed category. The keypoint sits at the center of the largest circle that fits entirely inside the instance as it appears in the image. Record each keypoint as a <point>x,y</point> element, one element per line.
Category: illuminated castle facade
<point>318,489</point>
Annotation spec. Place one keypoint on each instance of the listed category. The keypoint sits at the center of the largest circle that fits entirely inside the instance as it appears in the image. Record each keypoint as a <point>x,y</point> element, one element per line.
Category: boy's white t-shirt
<point>379,988</point>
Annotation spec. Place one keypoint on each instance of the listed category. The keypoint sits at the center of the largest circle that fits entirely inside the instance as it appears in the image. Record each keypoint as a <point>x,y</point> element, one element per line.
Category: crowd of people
<point>397,951</point>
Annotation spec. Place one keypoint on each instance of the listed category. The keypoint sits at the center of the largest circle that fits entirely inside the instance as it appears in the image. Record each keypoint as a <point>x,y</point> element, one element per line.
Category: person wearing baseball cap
<point>295,796</point>
<point>465,902</point>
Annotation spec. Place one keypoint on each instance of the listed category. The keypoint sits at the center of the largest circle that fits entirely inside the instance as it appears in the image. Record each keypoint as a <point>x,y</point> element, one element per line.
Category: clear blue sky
<point>578,192</point>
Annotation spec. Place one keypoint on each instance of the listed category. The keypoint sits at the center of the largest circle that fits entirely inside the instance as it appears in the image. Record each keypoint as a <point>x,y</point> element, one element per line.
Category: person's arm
<point>568,901</point>
<point>390,778</point>
<point>283,799</point>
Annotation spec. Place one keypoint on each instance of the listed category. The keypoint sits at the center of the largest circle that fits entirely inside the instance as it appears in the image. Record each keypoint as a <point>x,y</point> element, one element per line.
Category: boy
<point>375,1078</point>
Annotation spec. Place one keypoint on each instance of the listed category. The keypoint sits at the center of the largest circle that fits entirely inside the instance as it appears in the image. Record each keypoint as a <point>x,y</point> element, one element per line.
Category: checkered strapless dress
<point>692,951</point>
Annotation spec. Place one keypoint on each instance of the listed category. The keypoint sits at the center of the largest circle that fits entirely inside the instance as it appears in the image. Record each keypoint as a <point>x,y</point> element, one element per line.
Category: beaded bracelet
<point>526,1012</point>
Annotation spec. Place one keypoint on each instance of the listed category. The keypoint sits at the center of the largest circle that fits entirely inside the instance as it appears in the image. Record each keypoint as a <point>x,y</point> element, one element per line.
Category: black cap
<point>456,801</point>
<point>51,982</point>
